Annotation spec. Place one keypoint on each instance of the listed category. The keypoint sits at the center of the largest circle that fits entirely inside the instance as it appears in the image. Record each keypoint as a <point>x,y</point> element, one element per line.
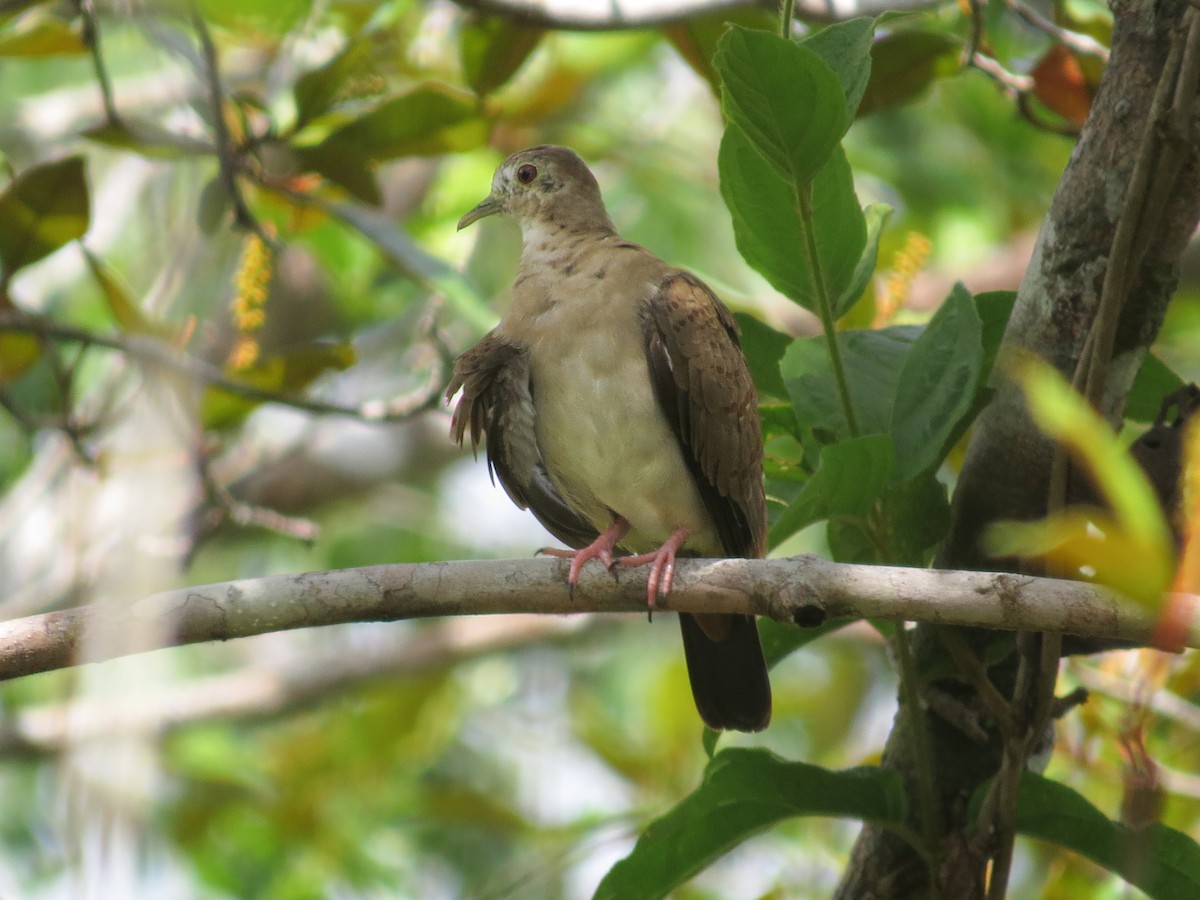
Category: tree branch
<point>618,15</point>
<point>799,589</point>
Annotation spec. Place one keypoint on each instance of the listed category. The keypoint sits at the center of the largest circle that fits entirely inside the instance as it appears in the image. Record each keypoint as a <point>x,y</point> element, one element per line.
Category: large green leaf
<point>320,89</point>
<point>429,119</point>
<point>904,64</point>
<point>771,229</point>
<point>695,38</point>
<point>743,793</point>
<point>784,97</point>
<point>41,32</point>
<point>937,384</point>
<point>42,209</point>
<point>285,373</point>
<point>764,348</point>
<point>1161,861</point>
<point>875,216</point>
<point>846,47</point>
<point>851,476</point>
<point>493,48</point>
<point>1154,381</point>
<point>872,360</point>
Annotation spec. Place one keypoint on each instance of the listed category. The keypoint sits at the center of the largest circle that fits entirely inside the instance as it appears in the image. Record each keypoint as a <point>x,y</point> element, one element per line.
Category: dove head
<point>544,188</point>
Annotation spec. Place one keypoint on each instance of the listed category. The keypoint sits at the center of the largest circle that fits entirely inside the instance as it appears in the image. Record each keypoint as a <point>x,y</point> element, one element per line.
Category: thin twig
<point>226,153</point>
<point>150,353</point>
<point>1073,40</point>
<point>91,40</point>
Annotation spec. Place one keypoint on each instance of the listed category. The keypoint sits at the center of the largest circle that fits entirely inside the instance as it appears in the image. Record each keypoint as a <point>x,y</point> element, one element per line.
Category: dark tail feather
<point>729,676</point>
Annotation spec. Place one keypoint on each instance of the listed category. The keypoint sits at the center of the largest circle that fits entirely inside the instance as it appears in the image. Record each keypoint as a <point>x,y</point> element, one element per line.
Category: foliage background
<point>483,759</point>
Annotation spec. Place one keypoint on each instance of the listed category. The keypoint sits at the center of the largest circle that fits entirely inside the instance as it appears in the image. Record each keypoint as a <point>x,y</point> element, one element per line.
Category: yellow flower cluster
<point>249,302</point>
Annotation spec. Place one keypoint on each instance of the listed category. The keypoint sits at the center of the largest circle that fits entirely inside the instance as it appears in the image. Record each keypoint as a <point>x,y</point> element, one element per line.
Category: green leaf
<point>876,216</point>
<point>846,48</point>
<point>39,32</point>
<point>427,120</point>
<point>780,641</point>
<point>744,792</point>
<point>994,308</point>
<point>904,64</point>
<point>784,97</point>
<point>764,348</point>
<point>1161,861</point>
<point>937,384</point>
<point>320,89</point>
<point>695,37</point>
<point>285,373</point>
<point>1154,381</point>
<point>851,476</point>
<point>18,354</point>
<point>42,209</point>
<point>493,49</point>
<point>1130,549</point>
<point>147,139</point>
<point>128,315</point>
<point>872,360</point>
<point>770,227</point>
<point>346,166</point>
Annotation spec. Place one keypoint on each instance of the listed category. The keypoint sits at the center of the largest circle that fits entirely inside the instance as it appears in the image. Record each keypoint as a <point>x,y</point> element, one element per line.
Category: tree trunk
<point>1006,472</point>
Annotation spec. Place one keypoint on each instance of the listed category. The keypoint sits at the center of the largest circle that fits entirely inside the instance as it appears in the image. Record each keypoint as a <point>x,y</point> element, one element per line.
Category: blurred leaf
<point>147,139</point>
<point>286,373</point>
<point>1059,83</point>
<point>936,385</point>
<point>40,32</point>
<point>345,166</point>
<point>771,228</point>
<point>128,315</point>
<point>917,517</point>
<point>851,476</point>
<point>42,209</point>
<point>764,348</point>
<point>493,49</point>
<point>214,205</point>
<point>785,98</point>
<point>1132,551</point>
<point>429,119</point>
<point>743,793</point>
<point>18,354</point>
<point>876,216</point>
<point>320,89</point>
<point>872,360</point>
<point>904,64</point>
<point>780,641</point>
<point>695,38</point>
<point>846,48</point>
<point>1161,861</point>
<point>994,308</point>
<point>1153,383</point>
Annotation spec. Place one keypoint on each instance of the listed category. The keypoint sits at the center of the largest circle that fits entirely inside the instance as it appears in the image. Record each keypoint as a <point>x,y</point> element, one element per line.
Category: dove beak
<point>487,207</point>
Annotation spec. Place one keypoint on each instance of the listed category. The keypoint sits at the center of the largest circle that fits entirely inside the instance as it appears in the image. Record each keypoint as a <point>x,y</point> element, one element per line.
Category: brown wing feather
<point>497,403</point>
<point>707,395</point>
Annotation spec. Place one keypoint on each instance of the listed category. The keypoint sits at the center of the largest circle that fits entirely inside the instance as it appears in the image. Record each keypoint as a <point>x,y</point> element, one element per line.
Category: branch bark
<point>803,590</point>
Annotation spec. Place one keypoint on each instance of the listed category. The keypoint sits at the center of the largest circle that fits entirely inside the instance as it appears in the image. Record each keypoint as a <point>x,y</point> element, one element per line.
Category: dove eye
<point>526,174</point>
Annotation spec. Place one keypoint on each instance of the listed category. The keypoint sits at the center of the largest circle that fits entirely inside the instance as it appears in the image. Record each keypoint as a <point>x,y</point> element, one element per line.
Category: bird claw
<point>662,568</point>
<point>601,549</point>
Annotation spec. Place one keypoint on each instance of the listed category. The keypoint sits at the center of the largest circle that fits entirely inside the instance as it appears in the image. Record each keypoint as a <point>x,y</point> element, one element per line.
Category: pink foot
<point>662,568</point>
<point>601,548</point>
